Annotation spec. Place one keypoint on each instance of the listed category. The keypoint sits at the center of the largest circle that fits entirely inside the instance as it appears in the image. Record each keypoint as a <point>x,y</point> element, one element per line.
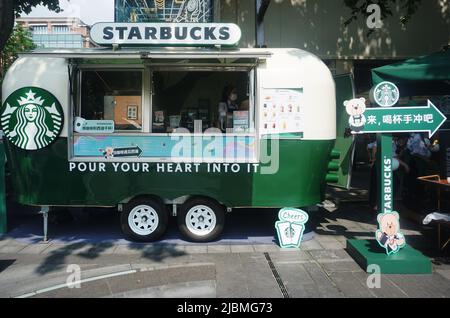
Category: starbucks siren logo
<point>31,118</point>
<point>386,94</point>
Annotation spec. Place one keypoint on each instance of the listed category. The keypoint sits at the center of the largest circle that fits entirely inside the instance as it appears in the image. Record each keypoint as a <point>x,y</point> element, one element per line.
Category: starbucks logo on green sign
<point>386,94</point>
<point>32,118</point>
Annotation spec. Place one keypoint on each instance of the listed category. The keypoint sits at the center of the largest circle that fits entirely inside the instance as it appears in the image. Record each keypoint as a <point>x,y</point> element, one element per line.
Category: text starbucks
<point>166,33</point>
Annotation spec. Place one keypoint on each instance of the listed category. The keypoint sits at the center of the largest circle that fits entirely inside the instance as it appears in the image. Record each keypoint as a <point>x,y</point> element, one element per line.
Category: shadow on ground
<point>56,260</point>
<point>363,222</point>
<point>4,264</point>
<point>87,233</point>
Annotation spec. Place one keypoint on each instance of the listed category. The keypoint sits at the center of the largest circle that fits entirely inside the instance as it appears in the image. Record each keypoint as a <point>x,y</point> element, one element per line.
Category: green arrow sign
<point>404,119</point>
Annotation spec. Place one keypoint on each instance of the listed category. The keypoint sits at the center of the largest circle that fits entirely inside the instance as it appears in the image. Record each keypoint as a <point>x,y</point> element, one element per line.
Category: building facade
<point>165,10</point>
<point>58,32</point>
<point>318,26</point>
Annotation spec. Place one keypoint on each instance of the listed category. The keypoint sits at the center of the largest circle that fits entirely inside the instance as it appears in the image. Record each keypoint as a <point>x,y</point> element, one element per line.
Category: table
<point>439,184</point>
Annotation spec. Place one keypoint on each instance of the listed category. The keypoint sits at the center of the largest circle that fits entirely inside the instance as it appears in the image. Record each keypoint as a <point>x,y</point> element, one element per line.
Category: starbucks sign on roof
<point>179,34</point>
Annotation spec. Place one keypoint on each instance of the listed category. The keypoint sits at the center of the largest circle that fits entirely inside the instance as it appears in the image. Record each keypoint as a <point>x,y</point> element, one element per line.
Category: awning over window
<point>156,53</point>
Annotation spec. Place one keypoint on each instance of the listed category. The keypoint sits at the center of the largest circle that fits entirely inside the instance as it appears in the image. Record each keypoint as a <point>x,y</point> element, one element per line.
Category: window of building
<point>164,11</point>
<point>39,29</point>
<point>107,95</point>
<point>61,29</point>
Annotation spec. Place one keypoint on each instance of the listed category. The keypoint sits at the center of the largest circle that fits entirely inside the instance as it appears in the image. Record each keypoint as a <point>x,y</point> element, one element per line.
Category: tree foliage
<point>19,41</point>
<point>9,9</point>
<point>25,6</point>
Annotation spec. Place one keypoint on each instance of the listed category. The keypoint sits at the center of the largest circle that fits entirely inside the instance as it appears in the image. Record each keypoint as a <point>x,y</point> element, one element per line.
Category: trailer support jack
<point>44,212</point>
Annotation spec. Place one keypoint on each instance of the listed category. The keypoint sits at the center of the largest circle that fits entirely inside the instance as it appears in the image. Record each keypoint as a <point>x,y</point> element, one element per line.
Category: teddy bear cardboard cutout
<point>389,236</point>
<point>356,109</point>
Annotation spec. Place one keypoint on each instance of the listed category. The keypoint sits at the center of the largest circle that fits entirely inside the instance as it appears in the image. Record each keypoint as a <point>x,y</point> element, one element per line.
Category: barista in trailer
<point>227,106</point>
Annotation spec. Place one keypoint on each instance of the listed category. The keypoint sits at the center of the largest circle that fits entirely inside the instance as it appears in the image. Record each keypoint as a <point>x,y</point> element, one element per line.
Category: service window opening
<point>126,114</point>
<point>201,100</point>
<point>111,95</point>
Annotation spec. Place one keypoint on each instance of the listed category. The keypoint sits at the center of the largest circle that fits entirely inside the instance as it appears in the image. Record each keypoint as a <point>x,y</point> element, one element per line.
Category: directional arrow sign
<point>404,119</point>
<point>127,152</point>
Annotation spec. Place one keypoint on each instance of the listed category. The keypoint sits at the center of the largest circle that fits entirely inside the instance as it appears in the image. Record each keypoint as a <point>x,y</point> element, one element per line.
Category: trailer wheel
<point>201,220</point>
<point>144,220</point>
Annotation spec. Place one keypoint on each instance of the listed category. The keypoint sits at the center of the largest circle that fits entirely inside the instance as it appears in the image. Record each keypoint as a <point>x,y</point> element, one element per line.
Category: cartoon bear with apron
<point>356,108</point>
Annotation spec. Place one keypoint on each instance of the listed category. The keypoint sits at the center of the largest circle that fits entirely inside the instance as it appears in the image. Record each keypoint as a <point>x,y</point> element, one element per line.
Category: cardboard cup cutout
<point>291,226</point>
<point>388,235</point>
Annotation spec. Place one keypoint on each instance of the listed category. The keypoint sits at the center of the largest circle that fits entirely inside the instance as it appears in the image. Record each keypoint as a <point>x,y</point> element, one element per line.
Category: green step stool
<point>407,261</point>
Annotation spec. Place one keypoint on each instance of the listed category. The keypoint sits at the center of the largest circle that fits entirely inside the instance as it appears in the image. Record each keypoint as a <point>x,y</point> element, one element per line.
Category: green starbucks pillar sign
<point>384,121</point>
<point>385,173</point>
<point>388,234</point>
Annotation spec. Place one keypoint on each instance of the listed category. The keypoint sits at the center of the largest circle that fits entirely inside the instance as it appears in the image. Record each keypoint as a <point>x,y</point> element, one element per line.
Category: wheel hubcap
<point>143,220</point>
<point>201,220</point>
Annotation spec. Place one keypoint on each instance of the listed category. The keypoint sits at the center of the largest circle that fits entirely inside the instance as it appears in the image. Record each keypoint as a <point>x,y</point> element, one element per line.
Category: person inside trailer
<point>227,106</point>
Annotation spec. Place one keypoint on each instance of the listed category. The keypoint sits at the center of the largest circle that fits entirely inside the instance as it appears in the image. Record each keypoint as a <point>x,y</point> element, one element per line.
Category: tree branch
<point>6,21</point>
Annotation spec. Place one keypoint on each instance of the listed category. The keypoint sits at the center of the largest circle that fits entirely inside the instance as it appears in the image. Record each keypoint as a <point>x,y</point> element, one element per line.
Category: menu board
<point>281,111</point>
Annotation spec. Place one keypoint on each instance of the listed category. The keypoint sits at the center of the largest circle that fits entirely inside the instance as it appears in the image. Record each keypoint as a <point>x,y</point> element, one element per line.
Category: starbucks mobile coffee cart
<point>138,129</point>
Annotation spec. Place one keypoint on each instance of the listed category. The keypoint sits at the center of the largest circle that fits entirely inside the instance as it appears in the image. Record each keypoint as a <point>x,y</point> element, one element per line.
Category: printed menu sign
<point>82,125</point>
<point>281,111</point>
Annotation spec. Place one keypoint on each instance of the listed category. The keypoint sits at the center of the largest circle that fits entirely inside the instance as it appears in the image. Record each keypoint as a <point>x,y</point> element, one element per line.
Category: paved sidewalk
<point>322,268</point>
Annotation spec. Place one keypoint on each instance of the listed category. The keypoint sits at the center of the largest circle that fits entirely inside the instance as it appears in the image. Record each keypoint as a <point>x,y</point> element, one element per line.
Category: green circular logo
<point>32,118</point>
<point>386,94</point>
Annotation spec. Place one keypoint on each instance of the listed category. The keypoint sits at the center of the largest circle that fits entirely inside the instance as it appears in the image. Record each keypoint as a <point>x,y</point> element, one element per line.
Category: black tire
<point>210,209</point>
<point>138,207</point>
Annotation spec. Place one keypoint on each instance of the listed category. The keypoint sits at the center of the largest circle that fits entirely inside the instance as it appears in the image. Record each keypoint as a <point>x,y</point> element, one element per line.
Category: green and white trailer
<point>89,128</point>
